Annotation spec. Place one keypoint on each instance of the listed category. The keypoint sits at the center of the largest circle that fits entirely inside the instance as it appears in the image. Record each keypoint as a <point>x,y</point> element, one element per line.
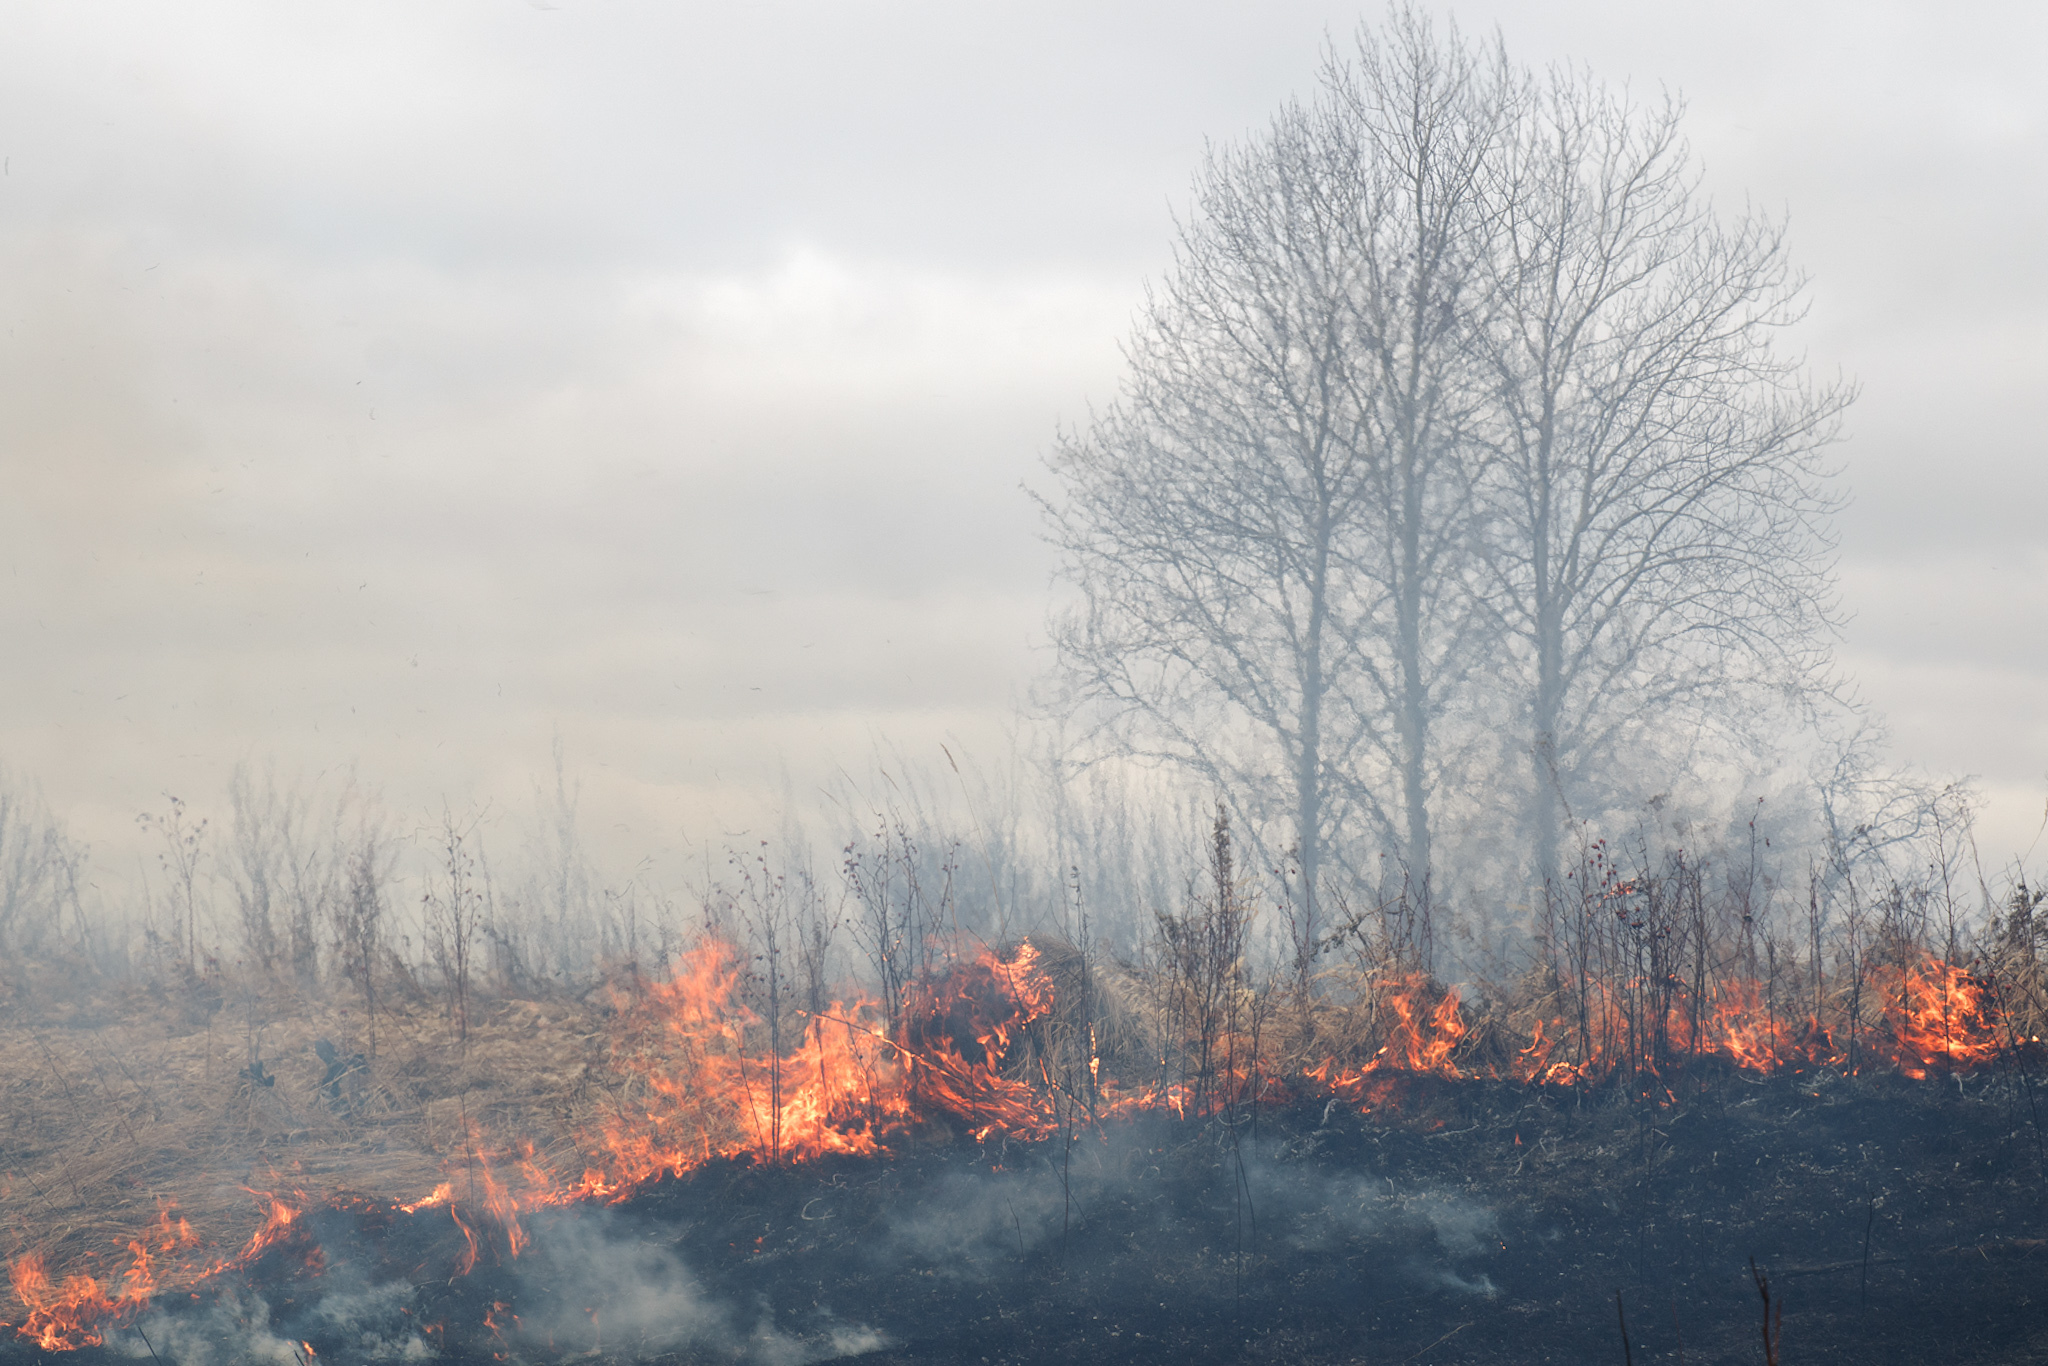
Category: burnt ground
<point>1897,1221</point>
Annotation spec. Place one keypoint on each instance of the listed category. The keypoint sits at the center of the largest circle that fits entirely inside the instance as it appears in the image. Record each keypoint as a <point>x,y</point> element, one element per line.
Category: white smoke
<point>603,1287</point>
<point>972,1225</point>
<point>1317,1211</point>
<point>238,1330</point>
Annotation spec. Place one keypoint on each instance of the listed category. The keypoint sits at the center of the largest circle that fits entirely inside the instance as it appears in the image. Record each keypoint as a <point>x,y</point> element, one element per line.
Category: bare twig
<point>1774,1322</point>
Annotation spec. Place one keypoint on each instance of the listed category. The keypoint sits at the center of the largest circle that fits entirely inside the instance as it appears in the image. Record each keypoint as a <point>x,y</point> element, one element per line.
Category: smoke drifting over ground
<point>244,1327</point>
<point>979,1224</point>
<point>595,1275</point>
<point>591,1281</point>
<point>1334,1213</point>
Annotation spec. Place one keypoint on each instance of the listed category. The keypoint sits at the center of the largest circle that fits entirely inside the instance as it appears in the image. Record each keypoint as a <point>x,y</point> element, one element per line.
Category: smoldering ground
<point>625,1283</point>
<point>595,1275</point>
<point>1227,1189</point>
<point>780,1266</point>
<point>242,1327</point>
<point>1885,1211</point>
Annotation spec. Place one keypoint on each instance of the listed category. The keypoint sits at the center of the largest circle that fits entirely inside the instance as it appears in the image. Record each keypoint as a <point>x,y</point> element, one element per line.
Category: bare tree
<point>1655,534</point>
<point>1458,422</point>
<point>1268,529</point>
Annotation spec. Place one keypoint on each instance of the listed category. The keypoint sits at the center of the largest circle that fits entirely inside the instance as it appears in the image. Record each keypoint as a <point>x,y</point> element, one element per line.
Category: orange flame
<point>70,1315</point>
<point>847,1084</point>
<point>1936,1016</point>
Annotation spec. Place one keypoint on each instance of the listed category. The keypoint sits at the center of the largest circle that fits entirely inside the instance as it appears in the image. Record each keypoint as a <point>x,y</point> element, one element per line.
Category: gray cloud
<point>410,387</point>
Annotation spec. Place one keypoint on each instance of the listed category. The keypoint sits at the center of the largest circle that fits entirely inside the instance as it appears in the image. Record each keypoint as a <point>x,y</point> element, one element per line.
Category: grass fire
<point>1187,680</point>
<point>996,1125</point>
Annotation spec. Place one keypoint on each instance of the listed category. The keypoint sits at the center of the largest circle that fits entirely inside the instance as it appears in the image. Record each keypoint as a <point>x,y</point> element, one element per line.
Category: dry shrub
<point>1097,1027</point>
<point>2016,961</point>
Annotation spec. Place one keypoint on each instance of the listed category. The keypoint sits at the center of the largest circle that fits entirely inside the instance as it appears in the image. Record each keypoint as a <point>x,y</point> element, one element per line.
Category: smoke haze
<point>408,389</point>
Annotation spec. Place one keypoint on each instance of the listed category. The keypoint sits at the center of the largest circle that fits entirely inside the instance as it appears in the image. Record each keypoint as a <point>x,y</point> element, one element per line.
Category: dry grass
<point>121,1100</point>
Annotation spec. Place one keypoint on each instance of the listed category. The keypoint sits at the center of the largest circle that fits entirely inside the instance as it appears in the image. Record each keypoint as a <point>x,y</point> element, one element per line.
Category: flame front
<point>846,1085</point>
<point>706,1077</point>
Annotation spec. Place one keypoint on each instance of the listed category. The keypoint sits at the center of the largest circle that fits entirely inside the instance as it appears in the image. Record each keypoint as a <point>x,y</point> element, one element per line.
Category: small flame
<point>69,1315</point>
<point>442,1194</point>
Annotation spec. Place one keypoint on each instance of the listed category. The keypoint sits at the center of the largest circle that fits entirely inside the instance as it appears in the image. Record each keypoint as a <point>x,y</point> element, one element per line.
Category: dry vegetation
<point>179,1085</point>
<point>126,1098</point>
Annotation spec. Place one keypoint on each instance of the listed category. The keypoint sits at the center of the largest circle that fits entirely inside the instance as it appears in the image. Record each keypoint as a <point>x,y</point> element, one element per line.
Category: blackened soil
<point>1895,1221</point>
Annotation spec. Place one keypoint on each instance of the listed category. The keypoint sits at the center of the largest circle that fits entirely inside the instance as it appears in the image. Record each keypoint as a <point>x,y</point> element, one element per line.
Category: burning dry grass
<point>156,1136</point>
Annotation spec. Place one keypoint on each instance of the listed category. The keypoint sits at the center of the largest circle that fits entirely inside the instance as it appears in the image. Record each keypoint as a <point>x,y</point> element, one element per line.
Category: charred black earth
<point>1895,1221</point>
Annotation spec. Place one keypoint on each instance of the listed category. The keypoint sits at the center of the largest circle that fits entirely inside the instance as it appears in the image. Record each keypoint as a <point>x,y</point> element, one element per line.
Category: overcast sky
<point>408,385</point>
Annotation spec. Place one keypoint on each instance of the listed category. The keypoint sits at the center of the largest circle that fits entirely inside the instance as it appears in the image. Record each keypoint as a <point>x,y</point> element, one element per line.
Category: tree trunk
<point>1547,705</point>
<point>1308,773</point>
<point>1413,719</point>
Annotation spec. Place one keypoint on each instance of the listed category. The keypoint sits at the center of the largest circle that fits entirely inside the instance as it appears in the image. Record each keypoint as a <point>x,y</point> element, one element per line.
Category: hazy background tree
<point>1456,425</point>
<point>1655,523</point>
<point>1268,530</point>
<point>1413,135</point>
